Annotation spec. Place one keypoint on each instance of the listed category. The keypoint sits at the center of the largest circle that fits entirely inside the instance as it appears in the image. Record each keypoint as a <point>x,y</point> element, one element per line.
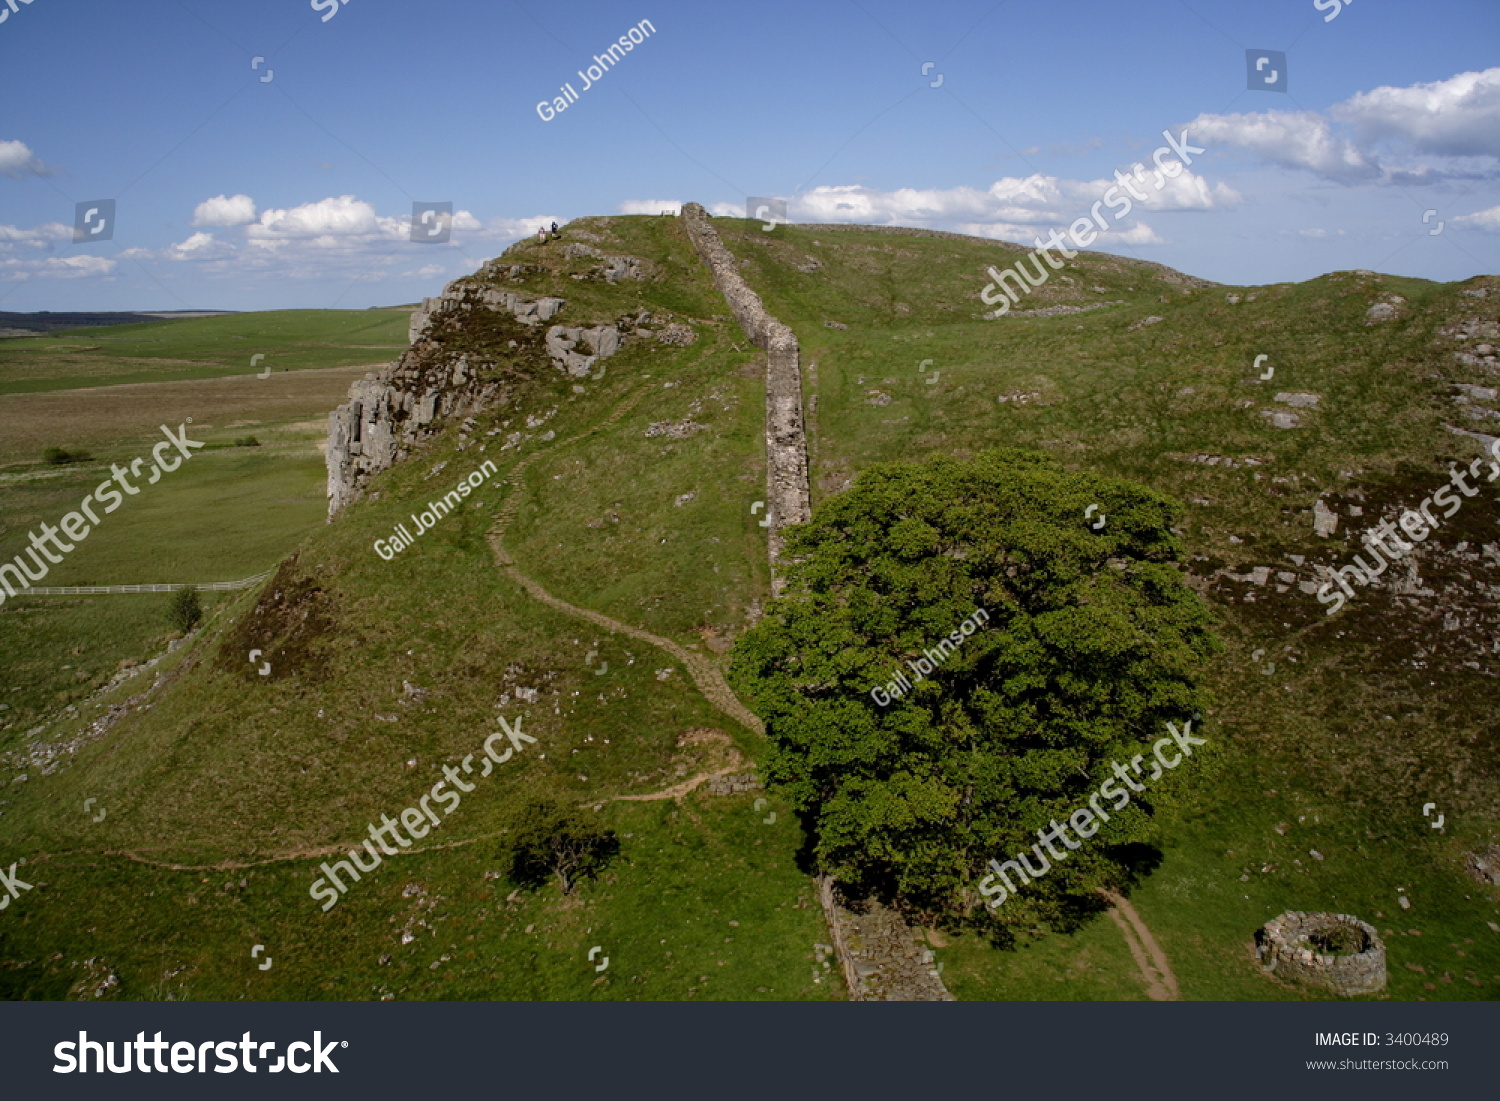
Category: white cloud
<point>1483,219</point>
<point>1291,139</point>
<point>1013,208</point>
<point>650,206</point>
<point>337,238</point>
<point>225,210</point>
<point>1457,117</point>
<point>17,160</point>
<point>1138,234</point>
<point>513,229</point>
<point>40,237</point>
<point>1445,119</point>
<point>27,254</point>
<point>344,216</point>
<point>55,267</point>
<point>200,246</point>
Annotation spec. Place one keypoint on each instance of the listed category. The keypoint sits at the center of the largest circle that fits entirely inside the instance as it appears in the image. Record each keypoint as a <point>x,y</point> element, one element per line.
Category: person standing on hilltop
<point>556,233</point>
<point>541,235</point>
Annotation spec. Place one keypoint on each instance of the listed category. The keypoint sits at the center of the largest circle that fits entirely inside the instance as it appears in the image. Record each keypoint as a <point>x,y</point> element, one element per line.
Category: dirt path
<point>703,670</point>
<point>676,791</point>
<point>240,865</point>
<point>1161,984</point>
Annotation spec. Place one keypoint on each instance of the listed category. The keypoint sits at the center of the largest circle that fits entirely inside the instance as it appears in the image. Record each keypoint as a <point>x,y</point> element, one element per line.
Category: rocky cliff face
<point>470,347</point>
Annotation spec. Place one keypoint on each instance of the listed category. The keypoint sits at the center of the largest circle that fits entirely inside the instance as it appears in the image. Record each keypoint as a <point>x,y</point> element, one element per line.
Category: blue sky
<point>234,192</point>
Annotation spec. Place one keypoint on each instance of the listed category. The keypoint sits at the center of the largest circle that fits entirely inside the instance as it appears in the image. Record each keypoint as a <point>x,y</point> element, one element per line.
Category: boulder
<point>1325,520</point>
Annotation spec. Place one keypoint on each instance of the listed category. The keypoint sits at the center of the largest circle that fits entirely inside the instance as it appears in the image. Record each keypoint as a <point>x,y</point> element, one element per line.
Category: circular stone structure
<point>1335,951</point>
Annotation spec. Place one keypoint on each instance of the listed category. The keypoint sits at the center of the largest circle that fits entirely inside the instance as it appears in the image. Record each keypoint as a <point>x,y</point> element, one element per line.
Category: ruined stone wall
<point>1287,946</point>
<point>787,497</point>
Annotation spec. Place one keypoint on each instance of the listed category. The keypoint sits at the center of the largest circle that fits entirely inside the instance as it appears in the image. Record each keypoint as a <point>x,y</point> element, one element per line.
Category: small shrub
<point>185,611</point>
<point>246,441</point>
<point>57,456</point>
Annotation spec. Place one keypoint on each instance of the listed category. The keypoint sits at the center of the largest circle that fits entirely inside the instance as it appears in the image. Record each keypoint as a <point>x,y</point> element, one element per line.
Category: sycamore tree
<point>1089,644</point>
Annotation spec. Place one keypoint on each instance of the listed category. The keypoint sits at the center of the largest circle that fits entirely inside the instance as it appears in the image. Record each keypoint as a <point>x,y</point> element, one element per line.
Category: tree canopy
<point>1089,643</point>
<point>549,837</point>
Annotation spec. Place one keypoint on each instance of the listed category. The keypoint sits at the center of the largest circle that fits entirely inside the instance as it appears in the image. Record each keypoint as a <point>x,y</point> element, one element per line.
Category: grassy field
<point>1351,736</point>
<point>178,349</point>
<point>247,780</point>
<point>228,513</point>
<point>114,422</point>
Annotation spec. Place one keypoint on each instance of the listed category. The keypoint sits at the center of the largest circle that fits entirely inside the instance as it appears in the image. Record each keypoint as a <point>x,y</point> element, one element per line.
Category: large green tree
<point>1092,644</point>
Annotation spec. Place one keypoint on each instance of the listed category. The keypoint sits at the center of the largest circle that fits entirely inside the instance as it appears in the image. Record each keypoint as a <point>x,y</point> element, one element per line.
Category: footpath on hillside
<point>702,669</point>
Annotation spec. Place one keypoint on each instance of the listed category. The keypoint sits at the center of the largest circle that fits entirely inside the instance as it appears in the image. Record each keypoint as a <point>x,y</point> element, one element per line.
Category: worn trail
<point>703,670</point>
<point>1161,984</point>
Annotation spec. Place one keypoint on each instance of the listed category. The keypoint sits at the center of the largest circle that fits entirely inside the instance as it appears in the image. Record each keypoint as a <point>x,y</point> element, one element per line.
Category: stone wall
<point>787,498</point>
<point>883,958</point>
<point>1287,945</point>
<point>879,953</point>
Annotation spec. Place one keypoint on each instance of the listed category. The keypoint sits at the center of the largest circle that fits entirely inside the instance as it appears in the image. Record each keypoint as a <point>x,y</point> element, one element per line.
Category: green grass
<point>703,902</point>
<point>1349,734</point>
<point>225,514</point>
<point>246,767</point>
<point>229,765</point>
<point>177,349</point>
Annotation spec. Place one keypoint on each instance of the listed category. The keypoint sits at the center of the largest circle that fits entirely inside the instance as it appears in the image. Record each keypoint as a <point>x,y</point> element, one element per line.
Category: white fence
<point>90,590</point>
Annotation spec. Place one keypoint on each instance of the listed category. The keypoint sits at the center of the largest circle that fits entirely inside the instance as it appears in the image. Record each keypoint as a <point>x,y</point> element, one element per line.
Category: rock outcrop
<point>613,268</point>
<point>469,347</point>
<point>601,340</point>
<point>458,294</point>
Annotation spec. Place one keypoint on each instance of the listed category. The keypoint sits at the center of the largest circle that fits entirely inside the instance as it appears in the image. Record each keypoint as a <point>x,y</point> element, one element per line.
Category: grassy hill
<point>226,794</point>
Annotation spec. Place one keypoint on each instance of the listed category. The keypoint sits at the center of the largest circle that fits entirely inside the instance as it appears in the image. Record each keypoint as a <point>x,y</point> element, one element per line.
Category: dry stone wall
<point>787,498</point>
<point>880,954</point>
<point>1290,946</point>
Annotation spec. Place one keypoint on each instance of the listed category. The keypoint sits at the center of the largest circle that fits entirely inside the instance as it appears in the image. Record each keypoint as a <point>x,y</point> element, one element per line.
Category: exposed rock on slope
<point>469,347</point>
<point>460,296</point>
